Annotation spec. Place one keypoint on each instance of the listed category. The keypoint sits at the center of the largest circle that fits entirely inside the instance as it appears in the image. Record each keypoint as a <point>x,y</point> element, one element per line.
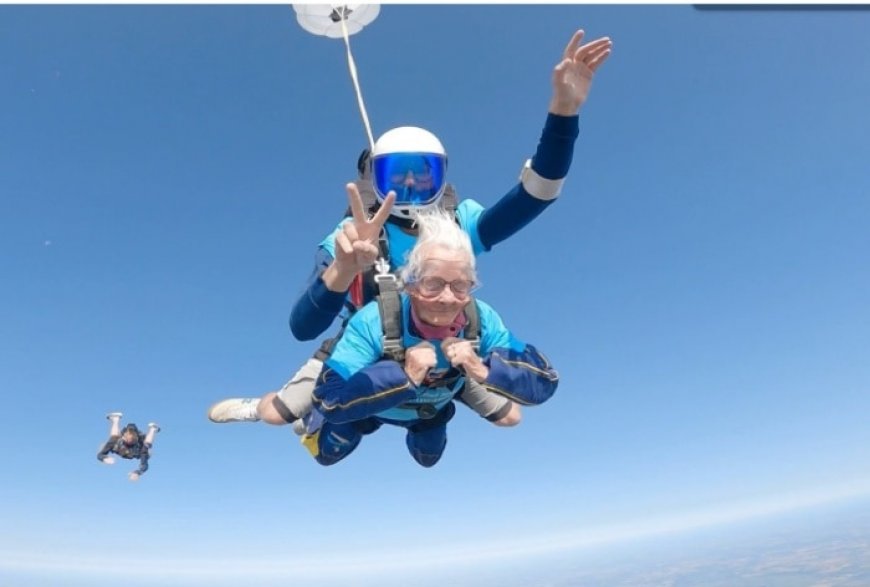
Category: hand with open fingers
<point>462,355</point>
<point>352,253</point>
<point>109,461</point>
<point>418,360</point>
<point>356,246</point>
<point>572,76</point>
<point>133,476</point>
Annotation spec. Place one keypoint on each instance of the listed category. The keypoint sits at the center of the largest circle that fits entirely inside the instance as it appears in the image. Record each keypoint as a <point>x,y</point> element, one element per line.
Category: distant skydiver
<point>128,443</point>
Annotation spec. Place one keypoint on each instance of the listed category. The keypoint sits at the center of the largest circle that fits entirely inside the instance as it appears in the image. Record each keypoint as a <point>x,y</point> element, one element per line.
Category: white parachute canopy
<point>326,19</point>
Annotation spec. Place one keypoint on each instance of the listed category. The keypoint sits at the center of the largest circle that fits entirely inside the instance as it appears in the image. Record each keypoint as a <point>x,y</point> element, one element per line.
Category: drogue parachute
<point>340,21</point>
<point>330,20</point>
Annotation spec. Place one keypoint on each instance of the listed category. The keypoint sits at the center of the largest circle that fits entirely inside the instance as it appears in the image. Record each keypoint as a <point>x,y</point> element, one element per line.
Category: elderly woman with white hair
<point>362,386</point>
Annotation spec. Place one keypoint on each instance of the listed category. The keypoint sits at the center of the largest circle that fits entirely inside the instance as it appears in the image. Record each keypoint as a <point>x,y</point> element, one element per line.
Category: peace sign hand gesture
<point>356,244</point>
<point>572,76</point>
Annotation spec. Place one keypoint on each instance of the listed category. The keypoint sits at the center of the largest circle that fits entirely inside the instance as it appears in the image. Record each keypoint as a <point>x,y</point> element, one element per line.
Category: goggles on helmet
<point>417,178</point>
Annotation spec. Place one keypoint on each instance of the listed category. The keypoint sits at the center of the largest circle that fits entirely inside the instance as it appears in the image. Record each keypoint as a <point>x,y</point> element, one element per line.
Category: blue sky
<point>701,285</point>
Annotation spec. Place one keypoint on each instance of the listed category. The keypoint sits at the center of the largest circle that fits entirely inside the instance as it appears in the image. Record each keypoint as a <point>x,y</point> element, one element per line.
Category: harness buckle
<point>382,271</point>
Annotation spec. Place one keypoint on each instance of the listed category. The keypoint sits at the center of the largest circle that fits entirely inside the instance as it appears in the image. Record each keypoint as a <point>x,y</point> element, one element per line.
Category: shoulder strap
<point>390,308</point>
<point>472,324</point>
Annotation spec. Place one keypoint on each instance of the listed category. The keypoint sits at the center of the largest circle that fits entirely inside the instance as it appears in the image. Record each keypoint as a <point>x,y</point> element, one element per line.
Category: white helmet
<point>410,161</point>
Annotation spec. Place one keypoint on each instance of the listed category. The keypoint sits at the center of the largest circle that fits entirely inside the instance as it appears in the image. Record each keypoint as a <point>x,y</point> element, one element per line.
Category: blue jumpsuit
<point>359,389</point>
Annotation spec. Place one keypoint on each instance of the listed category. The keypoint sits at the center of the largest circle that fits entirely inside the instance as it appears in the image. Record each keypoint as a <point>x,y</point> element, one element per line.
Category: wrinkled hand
<point>356,245</point>
<point>572,76</point>
<point>462,355</point>
<point>109,461</point>
<point>133,476</point>
<point>418,360</point>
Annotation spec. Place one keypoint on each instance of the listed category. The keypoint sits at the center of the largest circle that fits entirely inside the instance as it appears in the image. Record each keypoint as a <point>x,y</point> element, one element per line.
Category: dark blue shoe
<point>427,446</point>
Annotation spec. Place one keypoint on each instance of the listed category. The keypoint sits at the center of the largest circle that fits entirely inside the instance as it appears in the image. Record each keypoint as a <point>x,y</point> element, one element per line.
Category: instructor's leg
<point>294,400</point>
<point>291,402</point>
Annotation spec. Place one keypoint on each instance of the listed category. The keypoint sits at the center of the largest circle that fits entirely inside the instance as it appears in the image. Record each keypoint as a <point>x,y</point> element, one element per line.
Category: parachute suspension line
<point>340,21</point>
<point>353,75</point>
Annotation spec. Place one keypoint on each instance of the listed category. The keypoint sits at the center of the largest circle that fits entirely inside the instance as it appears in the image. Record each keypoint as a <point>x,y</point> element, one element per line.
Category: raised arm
<point>542,177</point>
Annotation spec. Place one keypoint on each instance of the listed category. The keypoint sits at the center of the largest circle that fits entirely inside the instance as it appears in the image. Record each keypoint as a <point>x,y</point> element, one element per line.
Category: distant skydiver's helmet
<point>412,162</point>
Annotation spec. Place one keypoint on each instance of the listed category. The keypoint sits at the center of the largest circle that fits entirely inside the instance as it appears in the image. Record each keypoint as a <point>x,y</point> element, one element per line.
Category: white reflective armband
<point>540,187</point>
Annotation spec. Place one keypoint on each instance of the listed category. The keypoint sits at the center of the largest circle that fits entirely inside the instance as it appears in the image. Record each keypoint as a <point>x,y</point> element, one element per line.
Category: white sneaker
<point>112,415</point>
<point>154,425</point>
<point>237,409</point>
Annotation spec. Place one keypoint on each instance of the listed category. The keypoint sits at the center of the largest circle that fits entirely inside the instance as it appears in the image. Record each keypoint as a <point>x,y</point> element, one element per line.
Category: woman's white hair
<point>437,228</point>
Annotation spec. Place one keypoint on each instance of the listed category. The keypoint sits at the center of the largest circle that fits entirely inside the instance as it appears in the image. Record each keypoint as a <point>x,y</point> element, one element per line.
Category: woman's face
<point>443,289</point>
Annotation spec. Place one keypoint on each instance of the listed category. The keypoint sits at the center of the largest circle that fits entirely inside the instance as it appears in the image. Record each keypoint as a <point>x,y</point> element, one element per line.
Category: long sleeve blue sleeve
<point>317,307</point>
<point>551,161</point>
<point>525,377</point>
<point>373,389</point>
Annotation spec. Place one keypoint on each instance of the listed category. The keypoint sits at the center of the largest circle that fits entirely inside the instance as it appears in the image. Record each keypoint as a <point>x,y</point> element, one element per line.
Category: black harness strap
<point>472,325</point>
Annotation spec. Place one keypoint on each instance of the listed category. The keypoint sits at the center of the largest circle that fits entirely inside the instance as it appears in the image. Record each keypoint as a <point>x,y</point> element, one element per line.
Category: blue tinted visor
<point>417,178</point>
